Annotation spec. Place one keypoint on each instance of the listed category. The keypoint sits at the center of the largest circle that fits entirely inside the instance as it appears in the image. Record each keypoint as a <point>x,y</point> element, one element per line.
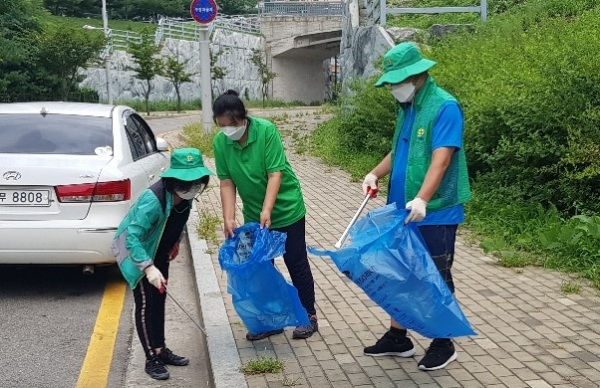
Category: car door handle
<point>151,176</point>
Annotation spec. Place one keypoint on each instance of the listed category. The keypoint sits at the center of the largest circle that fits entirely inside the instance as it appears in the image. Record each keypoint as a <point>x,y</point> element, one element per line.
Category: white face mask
<point>234,133</point>
<point>404,92</point>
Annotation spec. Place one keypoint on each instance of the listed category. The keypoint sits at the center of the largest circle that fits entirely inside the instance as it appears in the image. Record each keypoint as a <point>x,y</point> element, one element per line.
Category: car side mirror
<point>161,144</point>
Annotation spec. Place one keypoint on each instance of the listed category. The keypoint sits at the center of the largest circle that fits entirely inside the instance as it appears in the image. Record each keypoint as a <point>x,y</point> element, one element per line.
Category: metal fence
<point>377,11</point>
<point>190,30</point>
<point>300,8</point>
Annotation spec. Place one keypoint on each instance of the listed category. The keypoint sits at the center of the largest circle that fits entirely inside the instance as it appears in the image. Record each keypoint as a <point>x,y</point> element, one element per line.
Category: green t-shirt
<point>248,167</point>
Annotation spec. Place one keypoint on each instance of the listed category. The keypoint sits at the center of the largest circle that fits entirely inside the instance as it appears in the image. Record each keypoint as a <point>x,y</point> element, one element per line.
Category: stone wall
<point>242,75</point>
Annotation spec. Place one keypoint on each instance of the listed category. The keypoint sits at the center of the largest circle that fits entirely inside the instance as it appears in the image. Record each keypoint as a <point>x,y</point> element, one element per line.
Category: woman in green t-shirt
<point>251,161</point>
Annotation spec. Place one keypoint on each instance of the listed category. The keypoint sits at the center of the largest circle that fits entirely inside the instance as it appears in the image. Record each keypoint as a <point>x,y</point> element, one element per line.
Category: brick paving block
<point>461,374</point>
<point>339,380</point>
<point>472,384</point>
<point>331,364</point>
<point>591,374</point>
<point>323,355</point>
<point>499,371</point>
<point>374,371</point>
<point>538,384</point>
<point>313,371</point>
<point>257,381</point>
<point>552,377</point>
<point>382,382</point>
<point>421,377</point>
<point>351,368</point>
<point>473,366</point>
<point>486,378</point>
<point>397,374</point>
<point>513,382</point>
<point>576,363</point>
<point>549,359</point>
<point>307,361</point>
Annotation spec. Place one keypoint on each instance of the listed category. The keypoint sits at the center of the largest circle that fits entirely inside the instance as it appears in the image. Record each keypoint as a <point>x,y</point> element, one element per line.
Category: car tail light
<point>99,192</point>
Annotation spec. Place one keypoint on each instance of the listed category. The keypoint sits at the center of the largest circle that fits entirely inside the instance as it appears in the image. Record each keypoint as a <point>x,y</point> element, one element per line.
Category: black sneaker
<point>170,358</point>
<point>157,369</point>
<point>303,332</point>
<point>391,345</point>
<point>441,352</point>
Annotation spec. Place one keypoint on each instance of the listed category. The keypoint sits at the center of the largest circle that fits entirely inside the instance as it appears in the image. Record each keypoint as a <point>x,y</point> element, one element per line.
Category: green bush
<point>84,95</point>
<point>532,107</point>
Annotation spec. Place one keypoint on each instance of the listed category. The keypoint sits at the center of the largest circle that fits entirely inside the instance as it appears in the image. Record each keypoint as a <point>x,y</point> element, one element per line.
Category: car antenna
<point>43,112</point>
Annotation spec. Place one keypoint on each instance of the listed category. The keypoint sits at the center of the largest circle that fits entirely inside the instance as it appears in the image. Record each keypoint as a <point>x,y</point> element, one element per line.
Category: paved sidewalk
<point>530,334</point>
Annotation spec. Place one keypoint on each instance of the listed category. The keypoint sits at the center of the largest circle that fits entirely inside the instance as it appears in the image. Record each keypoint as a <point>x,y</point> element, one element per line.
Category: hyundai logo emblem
<point>12,175</point>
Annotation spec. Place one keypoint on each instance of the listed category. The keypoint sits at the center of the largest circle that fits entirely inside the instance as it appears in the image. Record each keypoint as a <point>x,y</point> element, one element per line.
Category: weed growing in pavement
<point>261,365</point>
<point>280,119</point>
<point>207,228</point>
<point>570,288</point>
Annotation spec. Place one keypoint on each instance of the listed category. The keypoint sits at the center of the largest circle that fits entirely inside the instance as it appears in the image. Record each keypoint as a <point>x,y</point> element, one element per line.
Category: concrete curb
<point>222,350</point>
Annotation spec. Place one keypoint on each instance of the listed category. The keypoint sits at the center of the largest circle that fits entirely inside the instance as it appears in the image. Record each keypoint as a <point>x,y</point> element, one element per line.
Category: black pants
<point>150,311</point>
<point>296,261</point>
<point>440,240</point>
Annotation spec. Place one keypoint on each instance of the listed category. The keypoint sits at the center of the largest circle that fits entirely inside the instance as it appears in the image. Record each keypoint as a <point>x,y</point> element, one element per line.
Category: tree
<point>266,75</point>
<point>175,72</point>
<point>216,71</point>
<point>64,50</point>
<point>148,65</point>
<point>237,7</point>
<point>20,27</point>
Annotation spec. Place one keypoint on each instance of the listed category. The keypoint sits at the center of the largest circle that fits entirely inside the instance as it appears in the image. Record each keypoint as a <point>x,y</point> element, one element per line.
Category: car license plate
<point>24,197</point>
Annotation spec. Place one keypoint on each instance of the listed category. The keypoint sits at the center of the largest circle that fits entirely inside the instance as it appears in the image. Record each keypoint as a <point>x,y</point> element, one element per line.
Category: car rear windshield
<point>55,134</point>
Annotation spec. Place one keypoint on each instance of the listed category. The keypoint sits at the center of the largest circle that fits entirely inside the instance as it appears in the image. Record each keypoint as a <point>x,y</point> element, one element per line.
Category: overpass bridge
<point>299,37</point>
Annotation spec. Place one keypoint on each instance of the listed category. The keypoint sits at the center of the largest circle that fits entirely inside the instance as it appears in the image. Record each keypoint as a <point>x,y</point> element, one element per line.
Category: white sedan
<point>69,173</point>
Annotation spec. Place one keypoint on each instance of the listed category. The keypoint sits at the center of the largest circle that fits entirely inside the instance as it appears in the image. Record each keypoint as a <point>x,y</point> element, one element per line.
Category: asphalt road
<point>48,315</point>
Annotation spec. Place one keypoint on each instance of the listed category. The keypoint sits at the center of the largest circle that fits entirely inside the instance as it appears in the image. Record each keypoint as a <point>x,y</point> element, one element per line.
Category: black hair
<point>172,184</point>
<point>229,104</point>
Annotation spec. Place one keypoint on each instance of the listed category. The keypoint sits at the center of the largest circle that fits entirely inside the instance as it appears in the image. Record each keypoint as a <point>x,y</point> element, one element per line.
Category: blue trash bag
<point>262,297</point>
<point>390,263</point>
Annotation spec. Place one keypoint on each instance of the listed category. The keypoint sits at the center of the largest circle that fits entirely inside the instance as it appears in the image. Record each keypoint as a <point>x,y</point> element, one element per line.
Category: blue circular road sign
<point>203,11</point>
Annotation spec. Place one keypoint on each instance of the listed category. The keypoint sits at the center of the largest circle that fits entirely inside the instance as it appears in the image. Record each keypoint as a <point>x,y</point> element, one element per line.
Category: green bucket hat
<point>401,62</point>
<point>187,165</point>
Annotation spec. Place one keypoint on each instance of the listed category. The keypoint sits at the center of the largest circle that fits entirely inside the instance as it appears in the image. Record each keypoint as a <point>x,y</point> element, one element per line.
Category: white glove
<point>154,277</point>
<point>370,181</point>
<point>418,210</point>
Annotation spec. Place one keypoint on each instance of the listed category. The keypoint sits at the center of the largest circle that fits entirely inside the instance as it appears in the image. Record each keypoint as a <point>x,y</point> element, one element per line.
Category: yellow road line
<point>96,366</point>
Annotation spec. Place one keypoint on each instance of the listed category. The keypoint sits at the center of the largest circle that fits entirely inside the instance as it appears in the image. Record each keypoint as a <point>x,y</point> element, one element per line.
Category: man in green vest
<point>428,174</point>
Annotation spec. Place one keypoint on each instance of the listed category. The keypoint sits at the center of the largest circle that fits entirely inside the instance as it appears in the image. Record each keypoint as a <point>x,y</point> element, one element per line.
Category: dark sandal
<point>259,336</point>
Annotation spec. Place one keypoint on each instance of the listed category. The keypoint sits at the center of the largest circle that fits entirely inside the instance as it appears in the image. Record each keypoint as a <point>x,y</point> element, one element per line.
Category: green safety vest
<point>455,188</point>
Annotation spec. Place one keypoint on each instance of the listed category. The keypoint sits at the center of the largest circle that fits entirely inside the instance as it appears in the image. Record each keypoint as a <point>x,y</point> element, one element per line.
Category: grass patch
<point>207,228</point>
<point>197,138</point>
<point>570,288</point>
<point>262,365</point>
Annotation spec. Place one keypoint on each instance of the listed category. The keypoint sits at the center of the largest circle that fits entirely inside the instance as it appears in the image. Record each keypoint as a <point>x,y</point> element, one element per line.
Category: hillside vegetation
<point>529,83</point>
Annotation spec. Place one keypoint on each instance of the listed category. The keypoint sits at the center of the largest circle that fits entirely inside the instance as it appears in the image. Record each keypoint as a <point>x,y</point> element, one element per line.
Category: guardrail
<point>300,8</point>
<point>190,30</point>
<point>377,11</point>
